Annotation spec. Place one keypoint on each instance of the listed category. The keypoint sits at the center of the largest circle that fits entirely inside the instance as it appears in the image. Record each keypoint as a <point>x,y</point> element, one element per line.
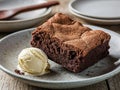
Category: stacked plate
<point>23,20</point>
<point>97,11</point>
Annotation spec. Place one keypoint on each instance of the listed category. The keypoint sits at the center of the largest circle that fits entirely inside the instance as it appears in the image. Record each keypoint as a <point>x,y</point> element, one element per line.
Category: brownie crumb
<point>19,72</point>
<point>72,55</point>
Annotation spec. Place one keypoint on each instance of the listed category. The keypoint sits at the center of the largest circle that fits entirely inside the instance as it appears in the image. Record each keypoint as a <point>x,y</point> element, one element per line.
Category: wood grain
<point>9,83</point>
<point>114,82</point>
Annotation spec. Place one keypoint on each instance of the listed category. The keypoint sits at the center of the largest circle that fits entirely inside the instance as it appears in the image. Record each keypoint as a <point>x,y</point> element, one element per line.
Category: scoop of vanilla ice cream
<point>33,61</point>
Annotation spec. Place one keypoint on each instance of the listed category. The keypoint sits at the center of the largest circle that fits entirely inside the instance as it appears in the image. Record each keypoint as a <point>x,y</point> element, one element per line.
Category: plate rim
<point>108,22</point>
<point>48,10</point>
<point>97,17</point>
<point>100,77</point>
<point>90,18</point>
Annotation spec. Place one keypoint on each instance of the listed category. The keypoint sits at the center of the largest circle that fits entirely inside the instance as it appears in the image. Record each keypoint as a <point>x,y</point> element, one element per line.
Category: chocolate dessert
<point>69,43</point>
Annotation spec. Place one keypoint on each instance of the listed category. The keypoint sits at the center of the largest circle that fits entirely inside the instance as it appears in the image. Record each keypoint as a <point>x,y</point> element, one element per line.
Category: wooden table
<point>9,83</point>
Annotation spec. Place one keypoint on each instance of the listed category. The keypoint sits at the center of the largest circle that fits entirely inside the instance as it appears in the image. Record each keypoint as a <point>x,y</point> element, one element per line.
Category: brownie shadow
<point>104,66</point>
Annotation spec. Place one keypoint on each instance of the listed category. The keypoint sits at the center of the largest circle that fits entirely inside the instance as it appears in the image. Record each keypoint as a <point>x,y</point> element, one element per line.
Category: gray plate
<point>24,20</point>
<point>11,46</point>
<point>96,20</point>
<point>102,9</point>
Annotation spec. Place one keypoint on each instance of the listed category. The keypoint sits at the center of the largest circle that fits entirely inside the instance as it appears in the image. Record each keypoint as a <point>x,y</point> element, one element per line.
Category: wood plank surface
<point>114,82</point>
<point>9,83</point>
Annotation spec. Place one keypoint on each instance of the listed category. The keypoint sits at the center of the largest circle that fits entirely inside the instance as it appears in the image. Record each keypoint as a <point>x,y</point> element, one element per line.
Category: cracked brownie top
<point>73,33</point>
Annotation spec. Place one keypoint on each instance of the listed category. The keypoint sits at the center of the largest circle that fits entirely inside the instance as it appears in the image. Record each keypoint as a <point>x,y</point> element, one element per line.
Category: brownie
<point>69,43</point>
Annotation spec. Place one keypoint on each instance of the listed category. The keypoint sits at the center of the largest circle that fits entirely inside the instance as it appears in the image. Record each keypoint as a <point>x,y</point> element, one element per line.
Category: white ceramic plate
<point>108,9</point>
<point>11,46</point>
<point>97,21</point>
<point>23,20</point>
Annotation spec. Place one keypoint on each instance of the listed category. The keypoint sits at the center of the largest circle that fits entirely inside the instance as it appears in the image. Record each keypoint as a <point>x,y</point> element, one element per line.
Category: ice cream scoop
<point>33,61</point>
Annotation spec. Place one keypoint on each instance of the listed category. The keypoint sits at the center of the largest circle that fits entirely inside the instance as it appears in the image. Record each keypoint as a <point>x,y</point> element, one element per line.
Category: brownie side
<point>68,56</point>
